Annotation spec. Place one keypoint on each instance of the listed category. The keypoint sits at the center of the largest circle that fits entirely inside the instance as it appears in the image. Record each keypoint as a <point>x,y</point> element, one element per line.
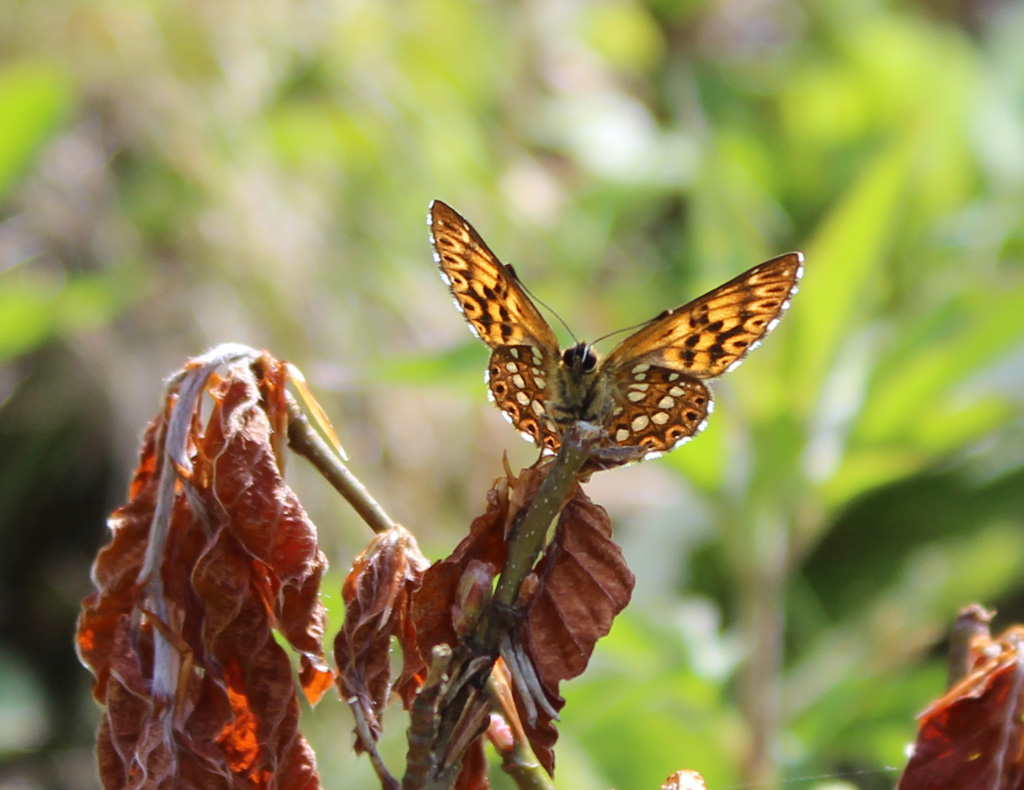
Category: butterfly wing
<point>658,409</point>
<point>713,333</point>
<point>499,312</point>
<point>486,291</point>
<point>657,372</point>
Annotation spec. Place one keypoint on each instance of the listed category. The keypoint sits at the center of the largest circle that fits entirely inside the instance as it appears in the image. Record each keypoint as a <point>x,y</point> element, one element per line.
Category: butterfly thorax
<point>581,392</point>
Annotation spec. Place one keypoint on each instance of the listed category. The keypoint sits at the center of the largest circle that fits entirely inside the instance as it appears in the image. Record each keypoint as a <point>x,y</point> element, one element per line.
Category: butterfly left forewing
<point>714,332</point>
<point>655,374</point>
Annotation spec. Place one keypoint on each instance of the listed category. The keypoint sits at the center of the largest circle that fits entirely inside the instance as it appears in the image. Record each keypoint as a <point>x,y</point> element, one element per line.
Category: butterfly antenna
<point>620,331</point>
<point>544,304</point>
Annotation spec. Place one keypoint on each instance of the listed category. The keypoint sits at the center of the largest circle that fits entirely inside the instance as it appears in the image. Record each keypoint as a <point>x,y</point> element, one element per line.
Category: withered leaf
<point>473,775</point>
<point>973,737</point>
<point>433,603</point>
<point>377,593</point>
<point>583,582</point>
<point>684,780</point>
<point>210,554</point>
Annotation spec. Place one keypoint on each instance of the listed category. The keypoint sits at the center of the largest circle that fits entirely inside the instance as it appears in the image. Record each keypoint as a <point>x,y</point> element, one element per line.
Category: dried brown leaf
<point>434,602</point>
<point>973,737</point>
<point>377,593</point>
<point>684,780</point>
<point>208,557</point>
<point>582,583</point>
<point>473,775</point>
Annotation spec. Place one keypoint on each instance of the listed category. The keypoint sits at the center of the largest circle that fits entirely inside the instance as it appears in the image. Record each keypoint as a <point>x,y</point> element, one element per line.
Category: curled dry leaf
<point>211,553</point>
<point>434,603</point>
<point>973,737</point>
<point>377,593</point>
<point>684,780</point>
<point>582,583</point>
<point>568,602</point>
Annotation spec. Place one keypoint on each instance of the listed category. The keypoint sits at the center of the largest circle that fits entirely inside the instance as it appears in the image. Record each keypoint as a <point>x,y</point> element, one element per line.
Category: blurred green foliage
<point>174,175</point>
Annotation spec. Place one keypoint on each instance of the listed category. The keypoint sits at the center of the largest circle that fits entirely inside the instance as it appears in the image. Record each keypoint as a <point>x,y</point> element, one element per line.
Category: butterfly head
<point>580,359</point>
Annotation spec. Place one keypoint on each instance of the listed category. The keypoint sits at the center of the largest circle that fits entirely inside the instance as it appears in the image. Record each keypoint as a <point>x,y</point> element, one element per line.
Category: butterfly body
<point>648,393</point>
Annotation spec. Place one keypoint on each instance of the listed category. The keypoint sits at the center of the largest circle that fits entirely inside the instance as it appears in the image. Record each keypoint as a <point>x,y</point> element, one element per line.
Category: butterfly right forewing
<point>486,291</point>
<point>656,373</point>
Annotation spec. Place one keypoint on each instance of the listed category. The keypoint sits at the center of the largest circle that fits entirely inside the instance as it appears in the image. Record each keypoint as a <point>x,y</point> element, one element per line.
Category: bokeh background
<point>178,174</point>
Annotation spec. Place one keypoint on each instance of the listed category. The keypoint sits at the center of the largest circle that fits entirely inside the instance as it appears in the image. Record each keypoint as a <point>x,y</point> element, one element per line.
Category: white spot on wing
<point>511,367</point>
<point>640,422</point>
<point>635,396</point>
<point>641,368</point>
<point>621,435</point>
<point>659,418</point>
<point>519,381</point>
<point>523,398</point>
<point>667,402</point>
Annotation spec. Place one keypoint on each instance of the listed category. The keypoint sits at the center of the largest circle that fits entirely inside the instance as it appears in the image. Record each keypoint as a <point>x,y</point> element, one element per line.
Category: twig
<point>387,781</point>
<point>528,534</point>
<point>526,772</point>
<point>517,759</point>
<point>305,441</point>
<point>420,760</point>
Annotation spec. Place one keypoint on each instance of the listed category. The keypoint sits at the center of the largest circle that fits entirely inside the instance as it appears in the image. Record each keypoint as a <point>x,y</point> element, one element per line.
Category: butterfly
<point>649,393</point>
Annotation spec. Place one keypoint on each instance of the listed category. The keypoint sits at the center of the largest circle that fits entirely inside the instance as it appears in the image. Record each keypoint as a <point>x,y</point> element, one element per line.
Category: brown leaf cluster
<point>973,736</point>
<point>567,603</point>
<point>211,554</point>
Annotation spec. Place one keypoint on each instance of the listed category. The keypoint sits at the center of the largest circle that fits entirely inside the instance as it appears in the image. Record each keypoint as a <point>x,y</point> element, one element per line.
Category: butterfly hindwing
<point>656,408</point>
<point>517,378</point>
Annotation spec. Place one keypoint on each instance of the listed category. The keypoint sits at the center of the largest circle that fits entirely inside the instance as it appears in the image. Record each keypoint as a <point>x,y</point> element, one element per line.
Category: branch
<point>466,703</point>
<point>307,442</point>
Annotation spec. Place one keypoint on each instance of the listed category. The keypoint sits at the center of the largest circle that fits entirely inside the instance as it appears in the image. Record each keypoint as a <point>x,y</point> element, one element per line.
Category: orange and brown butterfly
<point>649,392</point>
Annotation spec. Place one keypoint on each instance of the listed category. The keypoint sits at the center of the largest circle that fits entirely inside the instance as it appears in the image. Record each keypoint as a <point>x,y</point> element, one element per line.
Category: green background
<point>179,174</point>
